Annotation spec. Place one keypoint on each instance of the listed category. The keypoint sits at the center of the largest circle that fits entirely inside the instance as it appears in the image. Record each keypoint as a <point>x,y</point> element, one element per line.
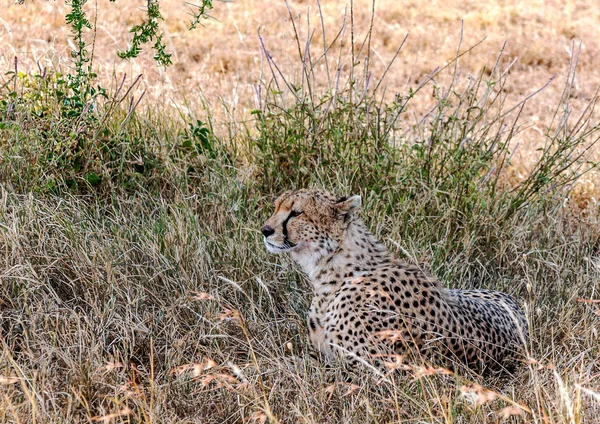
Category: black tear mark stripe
<point>285,231</point>
<point>286,241</point>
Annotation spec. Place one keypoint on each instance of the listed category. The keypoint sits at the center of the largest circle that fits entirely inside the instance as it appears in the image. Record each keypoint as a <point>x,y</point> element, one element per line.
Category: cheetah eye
<point>295,213</point>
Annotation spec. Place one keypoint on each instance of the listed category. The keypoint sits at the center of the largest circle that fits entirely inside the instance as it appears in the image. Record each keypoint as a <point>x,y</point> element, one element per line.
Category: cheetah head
<point>308,224</point>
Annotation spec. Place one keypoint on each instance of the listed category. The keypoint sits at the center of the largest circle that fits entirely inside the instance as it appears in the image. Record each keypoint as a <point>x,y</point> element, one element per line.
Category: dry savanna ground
<point>150,298</point>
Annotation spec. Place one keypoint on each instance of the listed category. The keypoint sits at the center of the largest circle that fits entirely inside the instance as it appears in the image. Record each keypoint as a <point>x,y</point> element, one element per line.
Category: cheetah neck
<point>358,252</point>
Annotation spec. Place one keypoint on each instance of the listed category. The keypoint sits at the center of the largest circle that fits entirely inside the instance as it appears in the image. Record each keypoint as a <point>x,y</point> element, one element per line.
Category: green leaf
<point>93,178</point>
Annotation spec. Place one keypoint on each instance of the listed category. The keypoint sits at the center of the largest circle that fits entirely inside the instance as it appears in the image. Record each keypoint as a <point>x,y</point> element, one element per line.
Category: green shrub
<point>67,132</point>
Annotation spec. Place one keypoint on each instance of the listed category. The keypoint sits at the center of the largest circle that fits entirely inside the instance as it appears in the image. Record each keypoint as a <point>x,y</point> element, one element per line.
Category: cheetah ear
<point>347,205</point>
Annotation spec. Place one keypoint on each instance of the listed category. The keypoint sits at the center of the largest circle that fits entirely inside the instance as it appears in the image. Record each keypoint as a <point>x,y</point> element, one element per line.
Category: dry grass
<point>158,303</point>
<point>171,311</point>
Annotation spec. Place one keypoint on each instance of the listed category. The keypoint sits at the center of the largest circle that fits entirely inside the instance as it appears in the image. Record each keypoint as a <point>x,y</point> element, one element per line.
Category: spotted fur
<point>368,305</point>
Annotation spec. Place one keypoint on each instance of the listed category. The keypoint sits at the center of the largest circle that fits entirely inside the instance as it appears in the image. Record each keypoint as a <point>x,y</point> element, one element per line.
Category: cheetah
<point>367,305</point>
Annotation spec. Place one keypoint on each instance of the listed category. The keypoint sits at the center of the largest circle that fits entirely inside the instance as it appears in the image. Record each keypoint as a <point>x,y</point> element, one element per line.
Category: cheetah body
<point>368,305</point>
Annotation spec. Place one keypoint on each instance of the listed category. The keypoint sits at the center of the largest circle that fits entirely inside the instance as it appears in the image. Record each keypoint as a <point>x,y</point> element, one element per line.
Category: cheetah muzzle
<point>367,305</point>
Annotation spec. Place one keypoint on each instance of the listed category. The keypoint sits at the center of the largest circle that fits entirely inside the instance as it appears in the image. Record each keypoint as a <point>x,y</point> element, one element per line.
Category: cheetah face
<point>308,223</point>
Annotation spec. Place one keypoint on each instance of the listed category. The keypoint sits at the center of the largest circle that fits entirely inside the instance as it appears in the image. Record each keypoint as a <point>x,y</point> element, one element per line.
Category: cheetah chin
<point>272,248</point>
<point>370,308</point>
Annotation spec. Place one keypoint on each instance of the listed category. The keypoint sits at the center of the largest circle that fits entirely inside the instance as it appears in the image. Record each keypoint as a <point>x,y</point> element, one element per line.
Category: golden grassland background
<point>221,63</point>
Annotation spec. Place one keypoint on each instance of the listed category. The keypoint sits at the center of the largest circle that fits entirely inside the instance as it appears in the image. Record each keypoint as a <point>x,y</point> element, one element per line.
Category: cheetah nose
<point>267,230</point>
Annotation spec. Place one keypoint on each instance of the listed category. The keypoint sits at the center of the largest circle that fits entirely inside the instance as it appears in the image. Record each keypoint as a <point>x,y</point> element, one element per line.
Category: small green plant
<point>146,32</point>
<point>67,117</point>
<point>80,83</point>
